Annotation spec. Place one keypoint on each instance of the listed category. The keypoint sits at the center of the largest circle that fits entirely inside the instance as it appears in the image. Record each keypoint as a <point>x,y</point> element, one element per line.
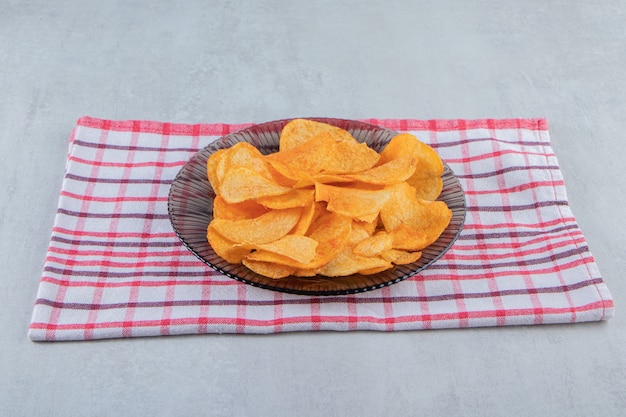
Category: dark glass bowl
<point>190,208</point>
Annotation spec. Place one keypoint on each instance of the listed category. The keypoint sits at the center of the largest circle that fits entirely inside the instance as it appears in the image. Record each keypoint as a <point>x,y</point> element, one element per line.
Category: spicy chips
<point>325,204</point>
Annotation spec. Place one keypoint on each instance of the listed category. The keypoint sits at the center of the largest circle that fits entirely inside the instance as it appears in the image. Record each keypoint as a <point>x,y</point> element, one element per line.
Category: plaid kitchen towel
<point>115,267</point>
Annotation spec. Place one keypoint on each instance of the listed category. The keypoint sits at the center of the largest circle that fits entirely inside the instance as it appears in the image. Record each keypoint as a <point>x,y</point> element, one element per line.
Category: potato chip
<point>376,270</point>
<point>241,184</point>
<point>404,207</point>
<point>391,172</point>
<point>268,269</point>
<point>309,157</point>
<point>263,229</point>
<point>243,154</point>
<point>287,176</point>
<point>427,188</point>
<point>294,198</point>
<point>357,235</point>
<point>347,263</point>
<point>405,145</point>
<point>226,249</point>
<point>306,218</point>
<point>426,179</point>
<point>297,131</point>
<point>324,154</point>
<point>429,161</point>
<point>297,247</point>
<point>401,146</point>
<point>330,230</point>
<point>369,227</point>
<point>216,168</point>
<point>410,239</point>
<point>245,210</point>
<point>401,257</point>
<point>360,204</point>
<point>374,245</point>
<point>330,178</point>
<point>350,156</point>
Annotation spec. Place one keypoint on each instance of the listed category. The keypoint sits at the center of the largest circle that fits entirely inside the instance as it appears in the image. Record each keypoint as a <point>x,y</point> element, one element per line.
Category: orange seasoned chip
<point>287,176</point>
<point>297,131</point>
<point>330,230</point>
<point>357,235</point>
<point>414,223</point>
<point>401,257</point>
<point>246,155</point>
<point>406,145</point>
<point>376,270</point>
<point>391,172</point>
<point>429,161</point>
<point>347,263</point>
<point>294,198</point>
<point>369,227</point>
<point>309,157</point>
<point>241,184</point>
<point>268,269</point>
<point>323,153</point>
<point>350,156</point>
<point>351,260</point>
<point>263,229</point>
<point>245,210</point>
<point>401,146</point>
<point>374,245</point>
<point>331,178</point>
<point>427,188</point>
<point>216,168</point>
<point>426,179</point>
<point>306,218</point>
<point>226,249</point>
<point>413,239</point>
<point>410,239</point>
<point>297,247</point>
<point>360,204</point>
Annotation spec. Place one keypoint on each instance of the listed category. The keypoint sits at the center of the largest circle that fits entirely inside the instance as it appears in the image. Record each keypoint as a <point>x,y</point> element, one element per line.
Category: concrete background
<point>254,61</point>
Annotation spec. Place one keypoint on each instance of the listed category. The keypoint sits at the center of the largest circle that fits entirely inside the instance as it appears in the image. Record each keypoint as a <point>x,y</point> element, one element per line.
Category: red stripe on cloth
<point>219,129</point>
<point>175,129</point>
<point>110,164</point>
<point>337,319</point>
<point>101,199</point>
<point>373,300</point>
<point>447,125</point>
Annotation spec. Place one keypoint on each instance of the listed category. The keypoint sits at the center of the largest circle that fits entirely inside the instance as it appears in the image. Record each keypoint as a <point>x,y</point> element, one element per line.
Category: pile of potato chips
<point>325,204</point>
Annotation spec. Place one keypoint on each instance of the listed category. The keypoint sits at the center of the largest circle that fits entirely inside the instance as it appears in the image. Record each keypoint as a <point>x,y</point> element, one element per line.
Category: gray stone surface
<point>246,61</point>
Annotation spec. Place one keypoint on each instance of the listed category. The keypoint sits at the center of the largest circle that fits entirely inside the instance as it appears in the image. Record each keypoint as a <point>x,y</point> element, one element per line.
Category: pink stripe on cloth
<point>115,267</point>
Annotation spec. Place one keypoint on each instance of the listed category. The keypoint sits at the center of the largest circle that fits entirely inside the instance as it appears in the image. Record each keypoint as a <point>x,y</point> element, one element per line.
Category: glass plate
<point>190,208</point>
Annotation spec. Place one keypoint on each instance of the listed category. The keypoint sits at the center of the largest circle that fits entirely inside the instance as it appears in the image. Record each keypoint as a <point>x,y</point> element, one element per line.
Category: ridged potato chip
<point>266,228</point>
<point>268,269</point>
<point>360,204</point>
<point>426,179</point>
<point>243,184</point>
<point>297,131</point>
<point>297,247</point>
<point>236,211</point>
<point>231,252</point>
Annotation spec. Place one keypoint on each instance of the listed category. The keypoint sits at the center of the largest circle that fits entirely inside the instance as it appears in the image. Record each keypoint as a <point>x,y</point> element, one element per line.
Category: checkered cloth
<point>115,268</point>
